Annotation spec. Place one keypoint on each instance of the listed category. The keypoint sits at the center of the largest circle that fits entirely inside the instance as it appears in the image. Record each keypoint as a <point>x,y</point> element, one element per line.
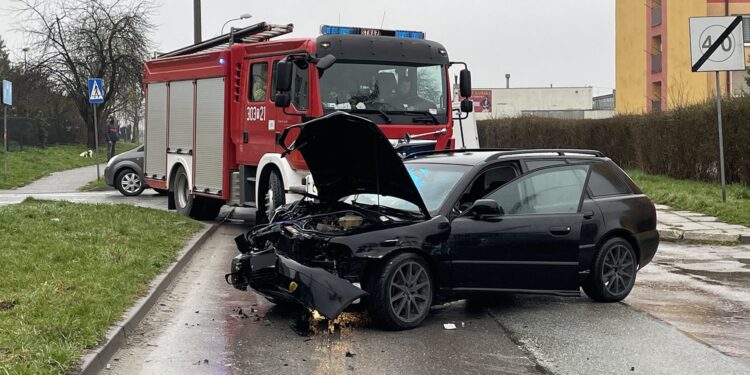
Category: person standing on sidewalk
<point>111,134</point>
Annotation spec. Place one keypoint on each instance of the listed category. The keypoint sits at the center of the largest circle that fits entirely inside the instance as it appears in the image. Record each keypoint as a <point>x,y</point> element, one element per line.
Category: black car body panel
<point>362,161</point>
<point>535,245</point>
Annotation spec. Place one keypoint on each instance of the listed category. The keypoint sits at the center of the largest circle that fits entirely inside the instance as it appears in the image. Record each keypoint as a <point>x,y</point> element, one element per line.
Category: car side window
<point>553,190</point>
<point>258,82</point>
<point>488,181</point>
<point>605,182</point>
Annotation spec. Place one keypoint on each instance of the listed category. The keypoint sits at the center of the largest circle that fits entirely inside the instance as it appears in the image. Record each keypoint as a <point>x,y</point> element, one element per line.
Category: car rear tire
<point>400,292</point>
<point>199,208</point>
<point>613,271</point>
<point>129,183</point>
<point>272,198</point>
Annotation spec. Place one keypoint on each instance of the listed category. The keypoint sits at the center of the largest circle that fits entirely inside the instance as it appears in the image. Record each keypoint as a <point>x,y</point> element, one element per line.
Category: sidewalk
<point>68,181</point>
<point>692,226</point>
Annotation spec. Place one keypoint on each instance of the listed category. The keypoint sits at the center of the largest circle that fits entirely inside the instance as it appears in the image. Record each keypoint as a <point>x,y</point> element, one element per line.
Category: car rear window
<point>605,182</point>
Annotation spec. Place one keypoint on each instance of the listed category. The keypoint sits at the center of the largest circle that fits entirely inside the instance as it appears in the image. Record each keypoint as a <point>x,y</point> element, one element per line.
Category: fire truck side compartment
<point>156,106</point>
<point>209,135</point>
<point>181,117</point>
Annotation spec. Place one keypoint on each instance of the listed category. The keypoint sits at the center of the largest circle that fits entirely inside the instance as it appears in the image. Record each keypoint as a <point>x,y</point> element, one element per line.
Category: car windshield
<point>434,182</point>
<point>387,88</point>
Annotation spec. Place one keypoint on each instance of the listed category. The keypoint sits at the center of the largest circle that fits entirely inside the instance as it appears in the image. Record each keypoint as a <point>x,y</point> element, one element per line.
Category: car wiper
<point>431,118</point>
<point>375,111</point>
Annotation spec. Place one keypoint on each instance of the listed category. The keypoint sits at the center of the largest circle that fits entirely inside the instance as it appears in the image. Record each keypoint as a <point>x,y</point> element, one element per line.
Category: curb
<point>675,235</point>
<point>114,339</point>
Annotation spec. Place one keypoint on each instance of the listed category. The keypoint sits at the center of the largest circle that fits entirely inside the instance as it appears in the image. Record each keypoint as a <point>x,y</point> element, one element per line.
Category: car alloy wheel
<point>130,182</point>
<point>618,271</point>
<point>410,292</point>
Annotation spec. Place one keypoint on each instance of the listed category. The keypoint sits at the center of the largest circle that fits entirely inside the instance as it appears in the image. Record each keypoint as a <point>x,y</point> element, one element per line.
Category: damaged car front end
<point>316,249</point>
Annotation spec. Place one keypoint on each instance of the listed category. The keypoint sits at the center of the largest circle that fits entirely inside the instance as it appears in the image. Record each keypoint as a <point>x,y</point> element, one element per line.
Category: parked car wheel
<point>400,292</point>
<point>272,198</point>
<point>613,273</point>
<point>129,183</point>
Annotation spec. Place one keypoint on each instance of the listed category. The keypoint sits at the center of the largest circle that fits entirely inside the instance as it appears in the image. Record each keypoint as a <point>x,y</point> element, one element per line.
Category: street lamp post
<point>241,17</point>
<point>25,49</point>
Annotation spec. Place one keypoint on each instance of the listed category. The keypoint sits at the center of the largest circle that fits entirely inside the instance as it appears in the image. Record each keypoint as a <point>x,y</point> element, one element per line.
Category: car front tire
<point>400,292</point>
<point>613,272</point>
<point>129,183</point>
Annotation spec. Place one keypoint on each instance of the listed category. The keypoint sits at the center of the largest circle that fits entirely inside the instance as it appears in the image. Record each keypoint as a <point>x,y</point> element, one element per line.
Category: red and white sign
<point>482,100</point>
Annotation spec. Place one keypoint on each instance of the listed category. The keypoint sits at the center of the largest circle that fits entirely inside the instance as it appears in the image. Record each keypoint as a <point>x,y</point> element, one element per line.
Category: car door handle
<point>588,214</point>
<point>560,231</point>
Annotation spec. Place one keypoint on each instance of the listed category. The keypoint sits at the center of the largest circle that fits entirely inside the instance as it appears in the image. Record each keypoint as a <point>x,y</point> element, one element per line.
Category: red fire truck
<point>215,110</point>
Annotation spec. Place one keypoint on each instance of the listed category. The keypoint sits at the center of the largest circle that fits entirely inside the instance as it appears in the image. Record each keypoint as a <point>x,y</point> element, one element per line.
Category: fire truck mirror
<point>326,61</point>
<point>283,76</point>
<point>282,99</point>
<point>467,105</point>
<point>465,83</point>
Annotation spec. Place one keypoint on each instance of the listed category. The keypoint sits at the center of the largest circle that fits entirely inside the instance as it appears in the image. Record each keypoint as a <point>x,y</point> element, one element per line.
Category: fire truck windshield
<point>417,92</point>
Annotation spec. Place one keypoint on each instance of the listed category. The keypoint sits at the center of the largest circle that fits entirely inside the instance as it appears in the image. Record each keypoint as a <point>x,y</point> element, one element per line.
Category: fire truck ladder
<point>260,32</point>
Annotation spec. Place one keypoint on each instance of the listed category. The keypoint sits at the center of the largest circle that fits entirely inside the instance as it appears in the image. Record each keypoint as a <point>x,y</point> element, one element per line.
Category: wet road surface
<point>198,328</point>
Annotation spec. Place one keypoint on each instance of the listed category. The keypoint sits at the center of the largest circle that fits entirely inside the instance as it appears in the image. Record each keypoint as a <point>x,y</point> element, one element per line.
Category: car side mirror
<point>467,106</point>
<point>325,62</point>
<point>464,83</point>
<point>283,76</point>
<point>485,208</point>
<point>282,100</point>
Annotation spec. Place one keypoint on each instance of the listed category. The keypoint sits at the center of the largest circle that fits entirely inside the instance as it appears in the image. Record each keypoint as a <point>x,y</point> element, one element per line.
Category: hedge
<point>682,143</point>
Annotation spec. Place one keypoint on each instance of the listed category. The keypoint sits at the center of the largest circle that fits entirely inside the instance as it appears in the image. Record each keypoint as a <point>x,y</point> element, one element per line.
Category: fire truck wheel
<point>272,198</point>
<point>183,198</point>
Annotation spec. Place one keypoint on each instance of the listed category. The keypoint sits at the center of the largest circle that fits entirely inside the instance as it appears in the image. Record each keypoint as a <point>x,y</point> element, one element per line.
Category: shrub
<point>682,143</point>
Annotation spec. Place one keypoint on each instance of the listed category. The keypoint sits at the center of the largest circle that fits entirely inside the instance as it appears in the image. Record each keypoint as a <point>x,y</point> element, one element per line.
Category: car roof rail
<point>558,151</point>
<point>458,150</point>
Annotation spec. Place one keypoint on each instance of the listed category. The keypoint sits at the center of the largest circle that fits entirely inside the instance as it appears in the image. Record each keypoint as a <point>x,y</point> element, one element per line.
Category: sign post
<point>716,44</point>
<point>96,96</point>
<point>7,101</point>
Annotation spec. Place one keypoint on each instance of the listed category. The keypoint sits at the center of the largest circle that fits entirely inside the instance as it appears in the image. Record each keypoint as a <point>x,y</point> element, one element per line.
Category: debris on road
<point>449,326</point>
<point>350,354</point>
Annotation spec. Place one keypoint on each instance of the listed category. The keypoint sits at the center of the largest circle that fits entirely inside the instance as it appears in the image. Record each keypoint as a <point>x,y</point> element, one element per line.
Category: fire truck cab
<point>215,110</point>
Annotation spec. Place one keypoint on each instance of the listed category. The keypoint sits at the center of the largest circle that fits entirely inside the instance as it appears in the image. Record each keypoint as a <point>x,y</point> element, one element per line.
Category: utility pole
<point>197,21</point>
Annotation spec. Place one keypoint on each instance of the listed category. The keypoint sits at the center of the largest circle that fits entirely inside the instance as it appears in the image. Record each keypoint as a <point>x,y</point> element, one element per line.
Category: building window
<point>656,60</point>
<point>746,29</point>
<point>655,13</point>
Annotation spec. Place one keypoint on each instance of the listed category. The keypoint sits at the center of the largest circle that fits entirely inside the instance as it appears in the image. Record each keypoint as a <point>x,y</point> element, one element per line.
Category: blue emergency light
<point>348,30</point>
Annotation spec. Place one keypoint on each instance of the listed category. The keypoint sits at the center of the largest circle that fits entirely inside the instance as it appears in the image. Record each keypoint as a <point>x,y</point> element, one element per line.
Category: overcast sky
<point>539,42</point>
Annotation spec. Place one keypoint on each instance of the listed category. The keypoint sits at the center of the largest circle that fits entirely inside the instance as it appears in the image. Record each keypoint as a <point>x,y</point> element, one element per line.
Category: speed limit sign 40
<point>716,44</point>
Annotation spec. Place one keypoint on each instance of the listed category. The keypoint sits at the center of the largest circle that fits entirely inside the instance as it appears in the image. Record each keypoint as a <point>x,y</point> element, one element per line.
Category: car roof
<point>480,156</point>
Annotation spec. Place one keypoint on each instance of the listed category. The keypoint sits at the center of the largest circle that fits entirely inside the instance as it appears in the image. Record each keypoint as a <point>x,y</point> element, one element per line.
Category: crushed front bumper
<point>280,278</point>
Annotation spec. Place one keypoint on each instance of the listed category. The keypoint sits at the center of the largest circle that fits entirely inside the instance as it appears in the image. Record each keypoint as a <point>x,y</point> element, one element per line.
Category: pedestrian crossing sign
<point>96,91</point>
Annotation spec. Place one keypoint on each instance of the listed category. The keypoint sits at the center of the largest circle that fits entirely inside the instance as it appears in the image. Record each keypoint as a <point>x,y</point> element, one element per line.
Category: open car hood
<point>347,154</point>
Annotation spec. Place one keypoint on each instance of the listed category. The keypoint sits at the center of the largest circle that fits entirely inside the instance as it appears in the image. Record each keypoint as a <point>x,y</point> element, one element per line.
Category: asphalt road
<point>689,313</point>
<point>198,328</point>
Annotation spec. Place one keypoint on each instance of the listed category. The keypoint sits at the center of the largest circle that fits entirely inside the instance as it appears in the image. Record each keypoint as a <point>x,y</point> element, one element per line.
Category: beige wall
<point>683,86</point>
<point>630,56</point>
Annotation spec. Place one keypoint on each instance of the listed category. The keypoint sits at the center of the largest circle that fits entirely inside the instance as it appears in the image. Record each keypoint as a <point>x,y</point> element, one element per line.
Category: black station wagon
<point>405,233</point>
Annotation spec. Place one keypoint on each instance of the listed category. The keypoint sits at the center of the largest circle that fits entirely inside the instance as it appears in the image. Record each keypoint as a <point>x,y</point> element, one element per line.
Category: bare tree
<point>80,39</point>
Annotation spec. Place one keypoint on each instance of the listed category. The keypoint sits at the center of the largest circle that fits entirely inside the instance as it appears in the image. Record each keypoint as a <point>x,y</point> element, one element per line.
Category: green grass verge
<point>34,163</point>
<point>96,185</point>
<point>697,196</point>
<point>69,271</point>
